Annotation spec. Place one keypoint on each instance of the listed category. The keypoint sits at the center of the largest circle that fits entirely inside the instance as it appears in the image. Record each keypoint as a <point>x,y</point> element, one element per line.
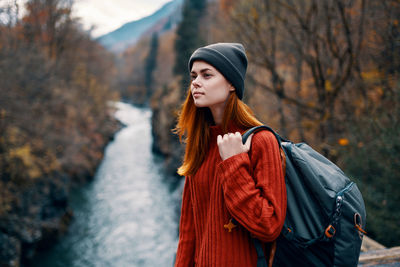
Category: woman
<point>224,178</point>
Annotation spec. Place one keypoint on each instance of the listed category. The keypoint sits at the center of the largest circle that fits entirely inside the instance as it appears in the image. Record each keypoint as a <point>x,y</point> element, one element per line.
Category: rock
<point>10,250</point>
<point>165,142</point>
<point>53,229</point>
<point>24,229</point>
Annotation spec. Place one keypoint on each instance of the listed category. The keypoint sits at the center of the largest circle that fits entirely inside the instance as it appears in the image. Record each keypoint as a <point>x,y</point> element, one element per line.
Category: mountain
<point>163,19</point>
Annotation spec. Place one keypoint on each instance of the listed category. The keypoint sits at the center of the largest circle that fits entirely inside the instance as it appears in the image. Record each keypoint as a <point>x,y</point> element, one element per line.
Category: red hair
<point>193,128</point>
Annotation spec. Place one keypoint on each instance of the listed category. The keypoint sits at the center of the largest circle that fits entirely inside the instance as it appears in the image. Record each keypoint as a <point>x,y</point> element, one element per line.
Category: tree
<point>295,40</point>
<point>372,152</point>
<point>334,64</point>
<point>54,120</point>
<point>47,23</point>
<point>151,64</point>
<point>188,38</point>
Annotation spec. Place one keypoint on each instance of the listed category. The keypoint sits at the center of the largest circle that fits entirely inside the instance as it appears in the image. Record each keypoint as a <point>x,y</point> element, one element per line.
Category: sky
<point>109,15</point>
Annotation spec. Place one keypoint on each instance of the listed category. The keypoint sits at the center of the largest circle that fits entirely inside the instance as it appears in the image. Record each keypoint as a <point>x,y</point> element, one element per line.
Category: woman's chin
<point>199,104</point>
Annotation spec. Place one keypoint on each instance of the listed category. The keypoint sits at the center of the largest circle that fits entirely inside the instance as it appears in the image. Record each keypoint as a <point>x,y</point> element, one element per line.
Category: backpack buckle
<point>358,224</point>
<point>330,231</point>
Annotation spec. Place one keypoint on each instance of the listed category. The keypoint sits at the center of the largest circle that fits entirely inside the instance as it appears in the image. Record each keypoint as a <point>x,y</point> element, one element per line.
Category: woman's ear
<point>231,88</point>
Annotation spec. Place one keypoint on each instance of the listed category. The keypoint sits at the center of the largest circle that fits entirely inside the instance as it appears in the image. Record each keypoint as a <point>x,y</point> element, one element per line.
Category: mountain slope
<point>129,33</point>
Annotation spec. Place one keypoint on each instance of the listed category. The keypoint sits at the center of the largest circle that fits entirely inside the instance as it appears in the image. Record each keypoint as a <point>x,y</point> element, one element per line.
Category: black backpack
<point>325,214</point>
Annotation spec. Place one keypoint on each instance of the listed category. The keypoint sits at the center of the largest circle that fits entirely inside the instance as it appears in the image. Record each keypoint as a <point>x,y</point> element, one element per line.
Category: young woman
<point>225,179</point>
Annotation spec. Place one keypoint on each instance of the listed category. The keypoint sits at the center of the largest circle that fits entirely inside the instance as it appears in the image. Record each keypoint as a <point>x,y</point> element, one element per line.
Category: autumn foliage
<point>54,116</point>
<point>327,72</point>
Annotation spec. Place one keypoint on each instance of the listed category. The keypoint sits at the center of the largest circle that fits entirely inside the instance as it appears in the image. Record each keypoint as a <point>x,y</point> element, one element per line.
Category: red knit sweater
<point>249,187</point>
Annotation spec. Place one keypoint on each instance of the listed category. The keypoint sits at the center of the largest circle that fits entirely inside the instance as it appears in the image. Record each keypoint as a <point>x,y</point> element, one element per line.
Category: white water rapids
<point>127,215</point>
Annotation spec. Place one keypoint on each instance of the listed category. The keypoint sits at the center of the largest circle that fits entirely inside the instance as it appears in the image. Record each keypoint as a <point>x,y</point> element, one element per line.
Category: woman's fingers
<point>219,140</point>
<point>231,144</point>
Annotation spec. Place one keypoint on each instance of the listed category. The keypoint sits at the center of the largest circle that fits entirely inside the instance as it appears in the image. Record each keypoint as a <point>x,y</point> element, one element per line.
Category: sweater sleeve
<point>186,245</point>
<point>254,187</point>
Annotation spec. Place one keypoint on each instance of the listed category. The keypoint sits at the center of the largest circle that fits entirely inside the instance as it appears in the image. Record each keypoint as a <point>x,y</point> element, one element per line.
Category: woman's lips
<point>197,94</point>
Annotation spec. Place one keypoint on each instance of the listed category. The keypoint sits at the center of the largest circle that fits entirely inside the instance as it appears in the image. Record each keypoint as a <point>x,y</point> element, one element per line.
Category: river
<point>127,215</point>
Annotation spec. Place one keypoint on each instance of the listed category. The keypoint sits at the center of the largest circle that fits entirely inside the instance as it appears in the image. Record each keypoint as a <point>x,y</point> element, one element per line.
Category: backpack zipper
<point>330,231</point>
<point>344,190</point>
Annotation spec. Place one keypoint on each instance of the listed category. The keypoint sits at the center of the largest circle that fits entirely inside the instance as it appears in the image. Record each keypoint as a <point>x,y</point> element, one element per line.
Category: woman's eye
<point>192,77</point>
<point>207,75</point>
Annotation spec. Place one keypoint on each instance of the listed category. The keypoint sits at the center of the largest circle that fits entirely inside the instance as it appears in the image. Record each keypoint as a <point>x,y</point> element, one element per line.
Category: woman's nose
<point>196,82</point>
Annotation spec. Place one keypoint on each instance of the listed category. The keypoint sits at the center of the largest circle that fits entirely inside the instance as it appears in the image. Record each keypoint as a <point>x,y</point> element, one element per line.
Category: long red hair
<point>193,128</point>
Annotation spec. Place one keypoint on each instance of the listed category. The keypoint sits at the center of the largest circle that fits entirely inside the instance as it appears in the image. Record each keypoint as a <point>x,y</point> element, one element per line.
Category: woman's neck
<point>218,113</point>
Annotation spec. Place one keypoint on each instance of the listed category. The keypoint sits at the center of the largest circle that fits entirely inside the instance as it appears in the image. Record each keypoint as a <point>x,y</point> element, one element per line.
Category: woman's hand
<point>231,144</point>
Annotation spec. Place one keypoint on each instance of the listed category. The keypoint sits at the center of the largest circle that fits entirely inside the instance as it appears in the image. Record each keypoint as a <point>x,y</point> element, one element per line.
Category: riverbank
<point>34,212</point>
<point>127,214</point>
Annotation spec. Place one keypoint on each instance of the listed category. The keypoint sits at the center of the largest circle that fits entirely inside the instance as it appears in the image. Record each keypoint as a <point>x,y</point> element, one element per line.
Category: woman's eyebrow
<point>201,71</point>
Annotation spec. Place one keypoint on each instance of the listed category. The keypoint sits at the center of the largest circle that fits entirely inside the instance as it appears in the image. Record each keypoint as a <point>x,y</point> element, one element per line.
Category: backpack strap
<point>255,129</point>
<point>259,128</point>
<point>261,259</point>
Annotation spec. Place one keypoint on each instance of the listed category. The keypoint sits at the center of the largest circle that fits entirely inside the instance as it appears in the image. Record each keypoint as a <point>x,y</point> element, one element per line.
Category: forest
<point>325,72</point>
<point>54,121</point>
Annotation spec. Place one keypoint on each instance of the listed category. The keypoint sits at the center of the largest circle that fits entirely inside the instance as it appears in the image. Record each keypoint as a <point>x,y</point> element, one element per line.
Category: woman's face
<point>209,87</point>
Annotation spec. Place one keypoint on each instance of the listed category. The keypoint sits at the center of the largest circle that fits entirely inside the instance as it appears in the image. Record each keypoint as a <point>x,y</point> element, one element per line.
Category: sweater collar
<point>216,130</point>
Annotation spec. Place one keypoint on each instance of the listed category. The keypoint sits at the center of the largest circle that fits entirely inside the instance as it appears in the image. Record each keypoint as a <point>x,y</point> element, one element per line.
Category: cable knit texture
<point>249,187</point>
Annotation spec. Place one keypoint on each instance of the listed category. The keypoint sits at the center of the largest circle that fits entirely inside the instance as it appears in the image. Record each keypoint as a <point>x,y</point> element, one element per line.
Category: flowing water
<point>127,215</point>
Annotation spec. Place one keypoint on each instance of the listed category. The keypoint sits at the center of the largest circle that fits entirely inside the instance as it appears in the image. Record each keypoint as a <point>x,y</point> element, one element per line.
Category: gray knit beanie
<point>228,58</point>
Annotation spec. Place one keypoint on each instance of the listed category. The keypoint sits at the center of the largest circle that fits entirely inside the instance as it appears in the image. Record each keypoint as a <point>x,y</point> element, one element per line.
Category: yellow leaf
<point>34,172</point>
<point>311,104</point>
<point>328,86</point>
<point>254,13</point>
<point>24,153</point>
<point>373,75</point>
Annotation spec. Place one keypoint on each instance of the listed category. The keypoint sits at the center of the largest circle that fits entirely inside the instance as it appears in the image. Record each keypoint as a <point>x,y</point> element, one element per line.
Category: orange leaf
<point>343,141</point>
